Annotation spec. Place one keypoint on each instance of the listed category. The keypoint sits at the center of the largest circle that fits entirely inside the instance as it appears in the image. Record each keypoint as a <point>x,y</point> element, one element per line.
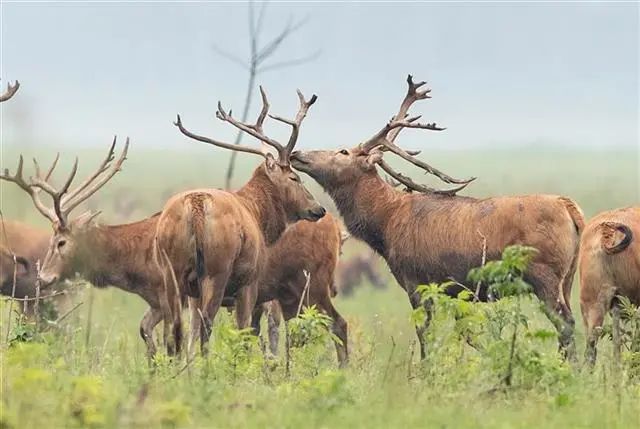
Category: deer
<point>609,267</point>
<point>105,255</point>
<point>305,247</point>
<point>434,235</point>
<point>352,272</point>
<point>215,243</point>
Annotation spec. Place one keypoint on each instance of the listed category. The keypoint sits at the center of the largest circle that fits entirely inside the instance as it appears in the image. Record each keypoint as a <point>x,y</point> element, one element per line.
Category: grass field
<point>92,371</point>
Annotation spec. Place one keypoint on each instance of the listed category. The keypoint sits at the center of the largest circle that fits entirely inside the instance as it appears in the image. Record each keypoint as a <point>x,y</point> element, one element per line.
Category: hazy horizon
<point>503,75</point>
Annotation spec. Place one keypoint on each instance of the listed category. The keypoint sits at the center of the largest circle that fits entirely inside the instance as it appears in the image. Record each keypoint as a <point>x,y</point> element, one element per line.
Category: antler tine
<point>239,148</point>
<point>411,185</point>
<point>295,124</point>
<point>97,181</point>
<point>254,130</point>
<point>423,165</point>
<point>104,166</point>
<point>56,195</point>
<point>412,96</point>
<point>10,92</point>
<point>30,189</point>
<point>36,166</point>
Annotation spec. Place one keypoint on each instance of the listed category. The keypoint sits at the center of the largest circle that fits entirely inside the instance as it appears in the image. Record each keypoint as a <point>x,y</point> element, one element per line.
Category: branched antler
<point>10,92</point>
<point>256,130</point>
<point>384,140</point>
<point>411,185</point>
<point>64,200</point>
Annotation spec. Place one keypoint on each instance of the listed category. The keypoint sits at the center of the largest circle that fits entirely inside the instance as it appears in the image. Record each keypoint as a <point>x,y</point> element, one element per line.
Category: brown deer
<point>116,255</point>
<point>216,241</point>
<point>310,247</point>
<point>433,235</point>
<point>609,267</point>
<point>352,272</point>
<point>28,245</point>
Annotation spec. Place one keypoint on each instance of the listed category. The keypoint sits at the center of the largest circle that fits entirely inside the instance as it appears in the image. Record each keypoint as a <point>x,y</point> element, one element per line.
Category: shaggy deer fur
<point>435,236</point>
<point>609,266</point>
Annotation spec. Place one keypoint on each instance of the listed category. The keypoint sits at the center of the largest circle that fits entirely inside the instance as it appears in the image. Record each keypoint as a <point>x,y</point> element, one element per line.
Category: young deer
<point>216,241</point>
<point>435,236</point>
<point>116,255</point>
<point>313,247</point>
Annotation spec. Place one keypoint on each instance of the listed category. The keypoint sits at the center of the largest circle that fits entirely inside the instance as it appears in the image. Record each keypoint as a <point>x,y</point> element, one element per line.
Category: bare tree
<point>258,62</point>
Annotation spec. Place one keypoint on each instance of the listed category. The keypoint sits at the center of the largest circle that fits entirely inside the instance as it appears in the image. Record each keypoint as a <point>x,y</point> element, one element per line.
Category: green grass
<point>72,378</point>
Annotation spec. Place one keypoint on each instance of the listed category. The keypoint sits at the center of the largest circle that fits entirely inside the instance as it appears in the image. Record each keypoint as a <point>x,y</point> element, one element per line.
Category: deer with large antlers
<point>216,241</point>
<point>116,255</point>
<point>434,235</point>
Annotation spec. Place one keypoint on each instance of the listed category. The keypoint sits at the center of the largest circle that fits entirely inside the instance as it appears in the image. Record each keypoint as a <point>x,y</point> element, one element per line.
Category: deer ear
<point>375,156</point>
<point>270,162</point>
<point>85,219</point>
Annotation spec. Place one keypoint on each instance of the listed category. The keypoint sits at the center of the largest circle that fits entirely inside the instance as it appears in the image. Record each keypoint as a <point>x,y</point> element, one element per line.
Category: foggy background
<point>503,75</point>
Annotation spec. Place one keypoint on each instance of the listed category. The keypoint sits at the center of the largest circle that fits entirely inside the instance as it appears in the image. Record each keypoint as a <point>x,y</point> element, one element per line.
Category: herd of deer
<point>271,242</point>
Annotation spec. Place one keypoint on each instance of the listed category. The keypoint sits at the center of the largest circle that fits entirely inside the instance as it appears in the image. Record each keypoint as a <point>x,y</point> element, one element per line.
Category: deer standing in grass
<point>436,236</point>
<point>116,255</point>
<point>609,267</point>
<point>313,247</point>
<point>215,242</point>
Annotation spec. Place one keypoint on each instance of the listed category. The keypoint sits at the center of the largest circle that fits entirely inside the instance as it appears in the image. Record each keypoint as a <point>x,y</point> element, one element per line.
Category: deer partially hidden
<point>434,235</point>
<point>215,242</point>
<point>105,255</point>
<point>310,247</point>
<point>609,267</point>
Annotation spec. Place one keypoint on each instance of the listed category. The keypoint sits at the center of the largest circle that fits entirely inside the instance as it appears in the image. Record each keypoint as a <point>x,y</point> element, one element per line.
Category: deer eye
<point>61,243</point>
<point>294,178</point>
<point>344,152</point>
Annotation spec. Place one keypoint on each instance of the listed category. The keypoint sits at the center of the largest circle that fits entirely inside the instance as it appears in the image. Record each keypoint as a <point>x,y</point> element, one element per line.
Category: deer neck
<point>367,204</point>
<point>260,196</point>
<point>117,255</point>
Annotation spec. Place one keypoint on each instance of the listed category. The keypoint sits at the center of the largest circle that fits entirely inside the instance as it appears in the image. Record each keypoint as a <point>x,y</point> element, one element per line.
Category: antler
<point>10,92</point>
<point>413,186</point>
<point>64,201</point>
<point>33,192</point>
<point>256,129</point>
<point>384,139</point>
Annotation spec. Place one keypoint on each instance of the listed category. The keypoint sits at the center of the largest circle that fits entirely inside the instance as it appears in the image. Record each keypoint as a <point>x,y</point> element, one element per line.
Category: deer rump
<point>440,238</point>
<point>610,256</point>
<point>210,234</point>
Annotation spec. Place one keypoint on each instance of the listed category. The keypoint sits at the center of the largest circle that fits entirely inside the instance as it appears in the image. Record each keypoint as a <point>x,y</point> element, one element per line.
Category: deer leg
<point>245,303</point>
<point>549,289</point>
<point>212,294</point>
<point>149,321</point>
<point>274,316</point>
<point>194,324</point>
<point>421,328</point>
<point>616,336</point>
<point>338,328</point>
<point>594,304</point>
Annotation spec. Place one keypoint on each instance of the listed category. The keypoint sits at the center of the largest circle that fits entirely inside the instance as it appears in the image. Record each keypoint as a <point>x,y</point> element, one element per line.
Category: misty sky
<point>502,74</point>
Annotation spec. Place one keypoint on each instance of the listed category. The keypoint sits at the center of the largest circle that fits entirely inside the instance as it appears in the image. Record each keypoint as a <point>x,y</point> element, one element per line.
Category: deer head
<point>333,169</point>
<point>63,246</point>
<point>296,199</point>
